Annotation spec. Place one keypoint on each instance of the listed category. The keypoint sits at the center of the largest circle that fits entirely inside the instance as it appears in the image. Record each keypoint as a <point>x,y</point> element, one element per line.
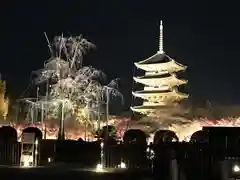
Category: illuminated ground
<point>71,171</point>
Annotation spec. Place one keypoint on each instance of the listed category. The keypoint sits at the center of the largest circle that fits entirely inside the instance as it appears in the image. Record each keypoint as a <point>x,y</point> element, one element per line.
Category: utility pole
<point>60,89</point>
<point>42,118</point>
<point>36,106</point>
<point>62,134</point>
<point>99,117</point>
<point>107,113</point>
<point>46,110</point>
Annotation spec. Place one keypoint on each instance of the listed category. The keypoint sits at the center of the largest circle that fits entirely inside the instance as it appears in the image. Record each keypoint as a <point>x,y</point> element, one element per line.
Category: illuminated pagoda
<point>160,81</point>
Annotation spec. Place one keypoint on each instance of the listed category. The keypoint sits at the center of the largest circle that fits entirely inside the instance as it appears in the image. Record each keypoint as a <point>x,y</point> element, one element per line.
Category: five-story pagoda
<point>160,81</point>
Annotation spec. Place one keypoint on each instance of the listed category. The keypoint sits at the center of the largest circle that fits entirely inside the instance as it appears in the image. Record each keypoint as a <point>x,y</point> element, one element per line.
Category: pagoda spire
<point>160,51</point>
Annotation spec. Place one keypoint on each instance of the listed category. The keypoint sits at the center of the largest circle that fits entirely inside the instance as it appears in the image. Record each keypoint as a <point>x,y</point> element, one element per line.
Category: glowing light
<point>236,168</point>
<point>25,165</point>
<point>148,149</point>
<point>99,168</point>
<point>26,161</point>
<point>55,103</point>
<point>122,165</point>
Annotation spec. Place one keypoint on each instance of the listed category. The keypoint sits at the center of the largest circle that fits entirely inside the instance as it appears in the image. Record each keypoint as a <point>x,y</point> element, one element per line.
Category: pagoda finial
<point>161,38</point>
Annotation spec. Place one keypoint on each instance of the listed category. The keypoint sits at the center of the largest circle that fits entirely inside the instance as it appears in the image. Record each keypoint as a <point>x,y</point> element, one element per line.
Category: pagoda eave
<point>159,94</point>
<point>148,109</point>
<point>142,109</point>
<point>161,68</point>
<point>160,82</point>
<point>158,57</point>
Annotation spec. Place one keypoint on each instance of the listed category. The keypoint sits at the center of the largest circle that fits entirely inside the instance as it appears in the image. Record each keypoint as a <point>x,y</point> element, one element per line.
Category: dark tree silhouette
<point>38,132</point>
<point>80,140</point>
<point>8,133</point>
<point>199,137</point>
<point>108,131</point>
<point>135,136</point>
<point>164,136</point>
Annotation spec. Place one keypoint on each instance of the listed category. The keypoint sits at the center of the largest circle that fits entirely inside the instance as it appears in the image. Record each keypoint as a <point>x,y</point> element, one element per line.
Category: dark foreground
<point>71,171</point>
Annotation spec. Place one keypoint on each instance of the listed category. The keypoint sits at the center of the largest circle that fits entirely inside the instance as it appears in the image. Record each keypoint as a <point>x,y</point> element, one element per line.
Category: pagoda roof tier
<point>162,68</point>
<point>156,58</point>
<point>159,81</point>
<point>147,109</point>
<point>159,96</point>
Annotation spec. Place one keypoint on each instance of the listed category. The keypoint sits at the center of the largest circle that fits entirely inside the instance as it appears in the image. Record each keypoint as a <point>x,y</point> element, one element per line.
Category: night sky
<point>203,36</point>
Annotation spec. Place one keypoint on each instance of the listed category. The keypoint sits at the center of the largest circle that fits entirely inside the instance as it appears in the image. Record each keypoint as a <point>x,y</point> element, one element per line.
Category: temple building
<point>160,81</point>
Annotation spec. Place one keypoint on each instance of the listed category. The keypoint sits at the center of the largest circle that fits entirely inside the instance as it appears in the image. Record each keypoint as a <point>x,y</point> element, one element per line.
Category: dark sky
<point>203,36</point>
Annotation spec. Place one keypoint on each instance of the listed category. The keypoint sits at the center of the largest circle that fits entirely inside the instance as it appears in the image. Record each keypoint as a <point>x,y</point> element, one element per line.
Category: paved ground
<point>70,171</point>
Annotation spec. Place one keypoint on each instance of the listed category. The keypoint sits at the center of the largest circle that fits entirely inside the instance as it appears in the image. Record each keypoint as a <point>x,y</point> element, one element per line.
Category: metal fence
<point>10,153</point>
<point>133,156</point>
